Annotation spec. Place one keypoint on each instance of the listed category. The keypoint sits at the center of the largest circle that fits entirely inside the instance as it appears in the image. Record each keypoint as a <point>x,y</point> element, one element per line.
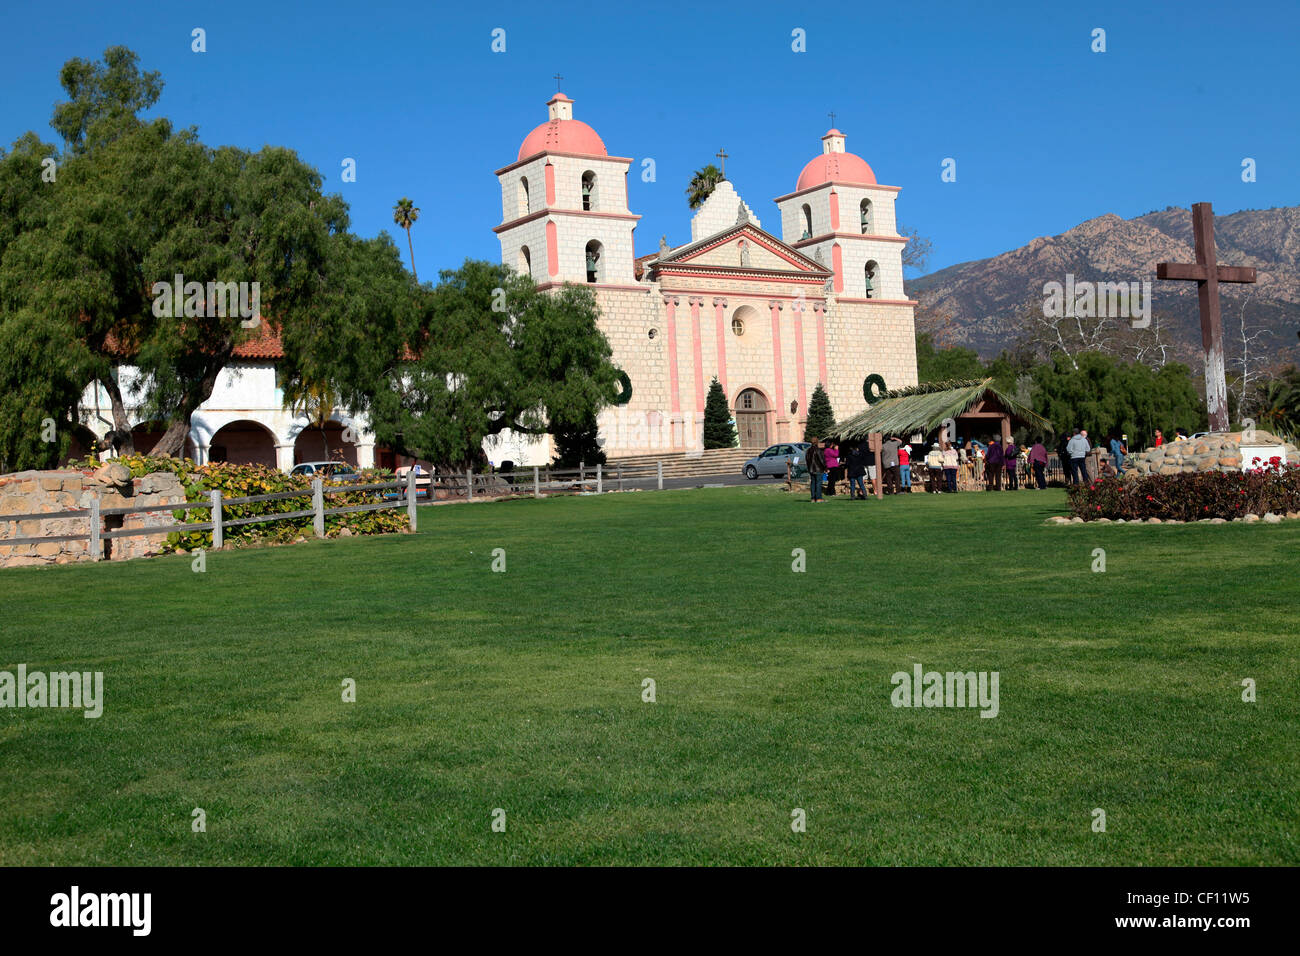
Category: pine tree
<point>718,430</point>
<point>576,444</point>
<point>821,417</point>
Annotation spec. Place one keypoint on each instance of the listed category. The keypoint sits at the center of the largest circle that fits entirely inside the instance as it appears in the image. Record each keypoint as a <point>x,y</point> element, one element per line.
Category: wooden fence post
<point>600,479</point>
<point>96,543</point>
<point>660,468</point>
<point>620,476</point>
<point>410,496</point>
<point>582,474</point>
<point>318,505</point>
<point>218,539</point>
<point>537,489</point>
<point>469,484</point>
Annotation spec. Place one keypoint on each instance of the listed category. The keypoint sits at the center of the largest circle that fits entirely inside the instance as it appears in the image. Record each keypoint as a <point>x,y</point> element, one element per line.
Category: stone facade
<point>50,492</point>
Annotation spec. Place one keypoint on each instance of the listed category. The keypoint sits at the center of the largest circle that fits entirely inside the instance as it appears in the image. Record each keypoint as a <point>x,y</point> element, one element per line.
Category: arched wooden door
<point>751,418</point>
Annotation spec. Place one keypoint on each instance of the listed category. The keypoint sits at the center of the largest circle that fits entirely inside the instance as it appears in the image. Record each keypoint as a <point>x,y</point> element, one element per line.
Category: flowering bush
<point>248,481</point>
<point>1191,496</point>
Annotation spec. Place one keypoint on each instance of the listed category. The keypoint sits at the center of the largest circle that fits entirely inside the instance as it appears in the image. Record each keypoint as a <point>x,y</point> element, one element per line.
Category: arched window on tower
<point>869,278</point>
<point>595,261</point>
<point>588,191</point>
<point>524,207</point>
<point>525,261</point>
<point>807,221</point>
<point>867,225</point>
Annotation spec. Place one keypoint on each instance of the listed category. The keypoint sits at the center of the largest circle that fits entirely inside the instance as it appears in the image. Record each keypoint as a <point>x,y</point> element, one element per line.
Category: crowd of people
<point>995,465</point>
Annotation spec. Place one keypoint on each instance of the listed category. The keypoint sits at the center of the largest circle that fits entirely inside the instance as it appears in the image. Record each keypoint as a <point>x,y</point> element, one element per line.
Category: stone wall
<point>51,492</point>
<point>1219,451</point>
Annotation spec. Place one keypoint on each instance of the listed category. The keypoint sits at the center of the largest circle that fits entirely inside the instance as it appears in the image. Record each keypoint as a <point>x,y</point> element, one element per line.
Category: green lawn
<point>522,690</point>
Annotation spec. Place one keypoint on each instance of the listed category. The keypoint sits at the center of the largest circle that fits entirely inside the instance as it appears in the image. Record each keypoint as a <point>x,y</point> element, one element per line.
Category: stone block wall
<point>52,492</point>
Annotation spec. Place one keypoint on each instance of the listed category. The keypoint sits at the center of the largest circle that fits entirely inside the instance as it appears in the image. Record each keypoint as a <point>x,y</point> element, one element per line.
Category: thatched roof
<point>923,408</point>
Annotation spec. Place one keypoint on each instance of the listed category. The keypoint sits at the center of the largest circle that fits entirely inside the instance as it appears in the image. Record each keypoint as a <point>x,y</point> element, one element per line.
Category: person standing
<point>905,466</point>
<point>833,473</point>
<point>1038,461</point>
<point>1011,464</point>
<point>1160,438</point>
<point>889,462</point>
<point>1077,449</point>
<point>1118,450</point>
<point>949,467</point>
<point>993,465</point>
<point>934,470</point>
<point>855,468</point>
<point>815,460</point>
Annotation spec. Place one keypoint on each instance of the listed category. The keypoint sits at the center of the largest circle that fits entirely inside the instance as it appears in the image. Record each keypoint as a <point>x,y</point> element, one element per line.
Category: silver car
<point>773,460</point>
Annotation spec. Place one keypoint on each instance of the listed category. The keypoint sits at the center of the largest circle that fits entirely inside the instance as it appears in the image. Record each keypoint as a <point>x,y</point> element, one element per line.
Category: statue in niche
<point>744,254</point>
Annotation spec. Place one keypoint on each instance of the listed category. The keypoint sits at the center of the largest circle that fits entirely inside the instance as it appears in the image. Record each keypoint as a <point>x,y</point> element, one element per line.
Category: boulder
<point>1271,518</point>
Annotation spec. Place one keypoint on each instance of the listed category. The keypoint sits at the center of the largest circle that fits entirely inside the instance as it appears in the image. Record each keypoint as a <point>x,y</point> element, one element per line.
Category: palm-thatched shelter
<point>975,407</point>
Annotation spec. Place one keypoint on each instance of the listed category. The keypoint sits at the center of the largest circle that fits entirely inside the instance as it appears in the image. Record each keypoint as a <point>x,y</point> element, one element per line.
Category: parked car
<point>772,460</point>
<point>325,469</point>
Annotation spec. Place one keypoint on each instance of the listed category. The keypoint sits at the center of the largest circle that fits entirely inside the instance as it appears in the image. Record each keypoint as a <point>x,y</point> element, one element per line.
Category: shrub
<point>1192,496</point>
<point>248,481</point>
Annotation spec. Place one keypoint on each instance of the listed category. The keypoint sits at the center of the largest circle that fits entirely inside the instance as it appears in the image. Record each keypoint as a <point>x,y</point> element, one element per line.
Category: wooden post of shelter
<point>874,443</point>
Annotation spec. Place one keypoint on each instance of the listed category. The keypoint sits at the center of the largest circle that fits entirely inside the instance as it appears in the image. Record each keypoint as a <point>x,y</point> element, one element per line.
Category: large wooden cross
<point>722,154</point>
<point>1208,274</point>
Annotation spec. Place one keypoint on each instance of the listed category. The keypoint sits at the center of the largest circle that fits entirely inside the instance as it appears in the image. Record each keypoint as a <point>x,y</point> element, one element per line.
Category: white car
<point>325,469</point>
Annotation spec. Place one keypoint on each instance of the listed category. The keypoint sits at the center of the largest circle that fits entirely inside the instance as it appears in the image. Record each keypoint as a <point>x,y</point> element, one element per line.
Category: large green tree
<point>1102,394</point>
<point>945,364</point>
<point>135,203</point>
<point>481,352</point>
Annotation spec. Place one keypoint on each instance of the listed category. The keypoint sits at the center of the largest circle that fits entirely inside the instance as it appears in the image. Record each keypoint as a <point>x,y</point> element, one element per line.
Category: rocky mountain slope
<point>982,297</point>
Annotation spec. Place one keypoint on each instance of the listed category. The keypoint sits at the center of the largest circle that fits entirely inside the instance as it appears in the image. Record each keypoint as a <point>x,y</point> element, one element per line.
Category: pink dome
<point>563,136</point>
<point>835,168</point>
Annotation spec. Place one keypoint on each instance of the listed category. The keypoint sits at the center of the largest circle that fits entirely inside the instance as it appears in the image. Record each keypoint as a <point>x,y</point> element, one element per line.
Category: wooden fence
<point>395,494</point>
<point>596,479</point>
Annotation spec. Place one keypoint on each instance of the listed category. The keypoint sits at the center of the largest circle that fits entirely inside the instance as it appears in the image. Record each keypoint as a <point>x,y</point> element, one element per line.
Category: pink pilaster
<point>698,352</point>
<point>835,211</point>
<point>819,309</point>
<point>552,249</point>
<point>550,185</point>
<point>719,305</point>
<point>778,389</point>
<point>837,263</point>
<point>798,308</point>
<point>670,306</point>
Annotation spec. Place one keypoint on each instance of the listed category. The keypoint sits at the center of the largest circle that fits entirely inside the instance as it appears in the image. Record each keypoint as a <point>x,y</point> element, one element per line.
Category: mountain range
<point>980,299</point>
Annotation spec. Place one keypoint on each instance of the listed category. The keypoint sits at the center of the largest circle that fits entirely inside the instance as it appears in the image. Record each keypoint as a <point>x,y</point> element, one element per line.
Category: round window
<point>738,326</point>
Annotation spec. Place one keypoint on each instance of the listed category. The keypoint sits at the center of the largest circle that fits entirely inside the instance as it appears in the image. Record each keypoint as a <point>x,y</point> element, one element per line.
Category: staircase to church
<point>714,461</point>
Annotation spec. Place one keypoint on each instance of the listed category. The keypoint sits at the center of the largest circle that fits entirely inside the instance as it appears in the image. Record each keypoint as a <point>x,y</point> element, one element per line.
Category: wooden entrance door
<point>751,419</point>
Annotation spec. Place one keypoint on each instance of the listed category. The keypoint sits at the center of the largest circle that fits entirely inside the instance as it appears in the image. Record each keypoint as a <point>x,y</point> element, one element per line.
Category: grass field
<point>522,690</point>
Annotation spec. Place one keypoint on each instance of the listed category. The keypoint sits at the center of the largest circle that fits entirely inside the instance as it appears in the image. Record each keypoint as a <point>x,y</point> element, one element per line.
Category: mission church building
<point>770,317</point>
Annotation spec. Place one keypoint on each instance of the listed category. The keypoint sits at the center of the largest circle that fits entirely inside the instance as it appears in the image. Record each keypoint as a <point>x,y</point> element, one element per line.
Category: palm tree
<point>1278,401</point>
<point>315,401</point>
<point>404,214</point>
<point>702,184</point>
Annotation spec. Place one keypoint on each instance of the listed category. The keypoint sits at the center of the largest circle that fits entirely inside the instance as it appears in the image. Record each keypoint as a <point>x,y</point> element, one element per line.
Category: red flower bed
<point>1192,496</point>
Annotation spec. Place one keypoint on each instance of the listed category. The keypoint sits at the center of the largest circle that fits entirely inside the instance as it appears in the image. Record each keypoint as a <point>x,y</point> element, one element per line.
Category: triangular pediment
<point>743,247</point>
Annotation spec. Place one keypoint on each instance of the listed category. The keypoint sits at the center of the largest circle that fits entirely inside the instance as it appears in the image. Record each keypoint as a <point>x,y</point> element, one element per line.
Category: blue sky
<point>1045,132</point>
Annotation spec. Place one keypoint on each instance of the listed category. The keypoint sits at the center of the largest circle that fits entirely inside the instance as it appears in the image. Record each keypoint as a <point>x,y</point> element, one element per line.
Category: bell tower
<point>564,205</point>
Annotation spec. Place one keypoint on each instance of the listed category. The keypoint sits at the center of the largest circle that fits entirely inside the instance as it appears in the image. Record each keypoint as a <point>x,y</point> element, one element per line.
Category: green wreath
<point>625,383</point>
<point>873,381</point>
